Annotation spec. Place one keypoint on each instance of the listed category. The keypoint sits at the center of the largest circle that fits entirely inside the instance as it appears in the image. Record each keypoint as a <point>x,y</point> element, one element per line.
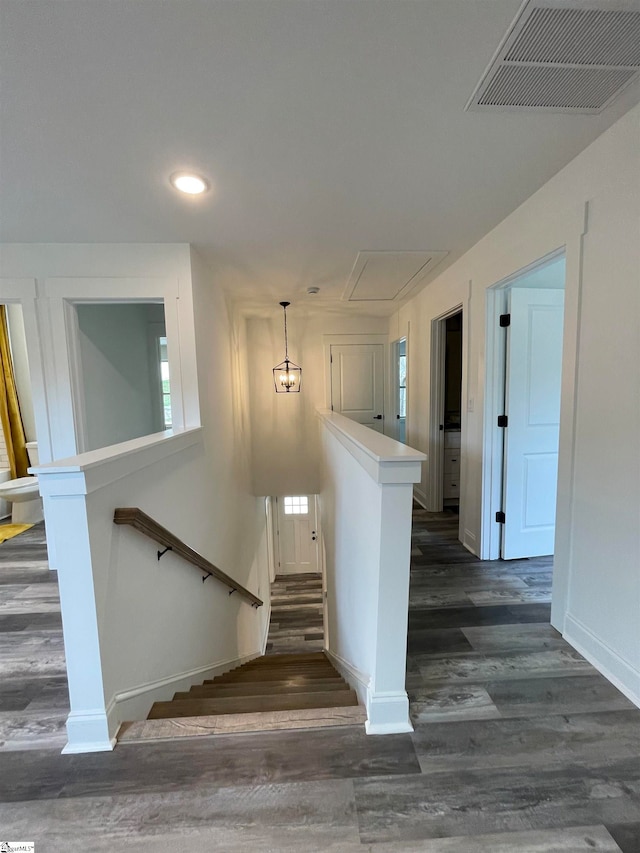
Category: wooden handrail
<point>142,522</point>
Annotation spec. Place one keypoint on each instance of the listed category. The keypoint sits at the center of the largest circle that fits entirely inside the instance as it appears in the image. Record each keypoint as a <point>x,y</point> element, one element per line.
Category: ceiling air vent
<point>563,56</point>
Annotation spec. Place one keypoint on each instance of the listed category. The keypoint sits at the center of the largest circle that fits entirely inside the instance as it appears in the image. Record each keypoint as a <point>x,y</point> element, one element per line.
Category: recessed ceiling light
<point>187,182</point>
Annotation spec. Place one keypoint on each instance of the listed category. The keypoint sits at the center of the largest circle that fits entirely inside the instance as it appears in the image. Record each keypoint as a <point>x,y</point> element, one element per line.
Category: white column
<point>388,704</point>
<point>65,496</point>
<point>366,522</point>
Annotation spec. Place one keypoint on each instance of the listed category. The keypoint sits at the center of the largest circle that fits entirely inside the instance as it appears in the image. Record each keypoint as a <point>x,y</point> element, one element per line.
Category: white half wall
<point>366,506</point>
<point>591,209</point>
<point>137,628</point>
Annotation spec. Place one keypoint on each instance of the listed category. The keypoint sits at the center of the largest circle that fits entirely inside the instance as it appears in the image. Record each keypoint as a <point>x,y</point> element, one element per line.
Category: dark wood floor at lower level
<point>519,744</point>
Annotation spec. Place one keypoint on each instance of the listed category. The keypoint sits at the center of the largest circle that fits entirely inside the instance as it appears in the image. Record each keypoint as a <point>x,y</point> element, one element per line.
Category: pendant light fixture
<point>287,376</point>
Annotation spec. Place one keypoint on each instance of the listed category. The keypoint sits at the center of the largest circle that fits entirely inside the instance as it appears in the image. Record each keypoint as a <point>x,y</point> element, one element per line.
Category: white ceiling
<point>327,127</point>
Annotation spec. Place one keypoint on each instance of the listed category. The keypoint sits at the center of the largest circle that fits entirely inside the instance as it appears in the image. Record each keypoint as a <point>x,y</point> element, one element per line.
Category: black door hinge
<point>500,517</point>
<point>505,320</point>
<point>503,421</point>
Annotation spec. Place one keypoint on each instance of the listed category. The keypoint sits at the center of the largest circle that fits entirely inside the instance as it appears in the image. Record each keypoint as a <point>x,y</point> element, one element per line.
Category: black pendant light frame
<point>287,376</point>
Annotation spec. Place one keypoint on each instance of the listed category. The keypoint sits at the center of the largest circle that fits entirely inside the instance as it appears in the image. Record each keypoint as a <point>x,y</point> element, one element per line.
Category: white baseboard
<point>89,731</point>
<point>89,746</point>
<point>359,680</point>
<point>388,713</point>
<point>420,497</point>
<point>470,542</point>
<point>265,638</point>
<point>135,703</point>
<point>608,662</point>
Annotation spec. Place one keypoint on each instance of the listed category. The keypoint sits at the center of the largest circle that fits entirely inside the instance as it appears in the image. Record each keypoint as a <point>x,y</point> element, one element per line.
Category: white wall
<point>120,372</point>
<point>285,448</point>
<point>597,566</point>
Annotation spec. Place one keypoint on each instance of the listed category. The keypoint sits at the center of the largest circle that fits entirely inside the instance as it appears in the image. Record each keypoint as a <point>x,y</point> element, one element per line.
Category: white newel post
<point>388,704</point>
<point>366,518</point>
<point>65,505</point>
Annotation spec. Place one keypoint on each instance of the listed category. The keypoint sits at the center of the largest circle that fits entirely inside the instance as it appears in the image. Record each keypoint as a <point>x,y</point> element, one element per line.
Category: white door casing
<point>357,383</point>
<point>297,535</point>
<point>532,405</point>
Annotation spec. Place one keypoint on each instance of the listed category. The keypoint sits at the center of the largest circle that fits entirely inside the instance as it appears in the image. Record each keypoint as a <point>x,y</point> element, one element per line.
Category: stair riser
<point>260,689</point>
<point>268,676</point>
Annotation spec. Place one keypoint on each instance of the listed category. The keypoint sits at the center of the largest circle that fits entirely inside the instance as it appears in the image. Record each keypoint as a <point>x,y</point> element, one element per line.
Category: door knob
<point>377,417</point>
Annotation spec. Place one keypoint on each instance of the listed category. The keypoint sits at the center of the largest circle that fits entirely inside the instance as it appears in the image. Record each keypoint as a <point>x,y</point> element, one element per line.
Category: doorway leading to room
<point>522,416</point>
<point>399,388</point>
<point>445,448</point>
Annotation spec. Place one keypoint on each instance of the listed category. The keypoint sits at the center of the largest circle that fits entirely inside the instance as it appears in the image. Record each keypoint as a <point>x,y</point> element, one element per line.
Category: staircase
<point>289,691</point>
<point>296,614</point>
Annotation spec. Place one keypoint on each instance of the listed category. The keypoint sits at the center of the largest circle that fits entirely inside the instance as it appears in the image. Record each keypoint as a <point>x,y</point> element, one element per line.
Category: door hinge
<point>500,517</point>
<point>505,320</point>
<point>332,407</point>
<point>331,359</point>
<point>503,420</point>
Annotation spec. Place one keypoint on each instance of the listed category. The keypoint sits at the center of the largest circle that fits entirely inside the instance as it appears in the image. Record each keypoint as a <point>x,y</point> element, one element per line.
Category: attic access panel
<point>388,276</point>
<point>559,56</point>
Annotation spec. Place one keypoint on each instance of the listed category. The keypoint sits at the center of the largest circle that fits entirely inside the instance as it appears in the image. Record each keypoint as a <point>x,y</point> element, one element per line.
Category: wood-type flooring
<point>520,746</point>
<point>296,614</point>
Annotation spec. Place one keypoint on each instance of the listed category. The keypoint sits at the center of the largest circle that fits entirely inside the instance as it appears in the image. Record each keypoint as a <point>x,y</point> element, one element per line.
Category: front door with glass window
<point>297,534</point>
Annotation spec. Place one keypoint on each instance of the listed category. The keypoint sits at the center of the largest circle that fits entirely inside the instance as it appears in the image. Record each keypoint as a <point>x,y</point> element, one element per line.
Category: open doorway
<point>446,411</point>
<point>399,388</point>
<point>522,416</point>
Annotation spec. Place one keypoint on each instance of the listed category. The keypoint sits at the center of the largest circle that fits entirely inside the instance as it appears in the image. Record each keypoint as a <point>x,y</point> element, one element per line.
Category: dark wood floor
<point>519,745</point>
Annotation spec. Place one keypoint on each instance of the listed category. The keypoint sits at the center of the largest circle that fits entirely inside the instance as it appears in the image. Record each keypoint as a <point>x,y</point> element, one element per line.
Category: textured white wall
<point>597,566</point>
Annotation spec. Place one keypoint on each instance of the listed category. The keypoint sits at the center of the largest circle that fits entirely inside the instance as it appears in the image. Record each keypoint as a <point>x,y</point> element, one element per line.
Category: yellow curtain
<point>9,406</point>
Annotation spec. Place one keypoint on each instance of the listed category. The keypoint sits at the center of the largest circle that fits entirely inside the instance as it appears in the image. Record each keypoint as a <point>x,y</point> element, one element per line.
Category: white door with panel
<point>357,383</point>
<point>297,534</point>
<point>532,406</point>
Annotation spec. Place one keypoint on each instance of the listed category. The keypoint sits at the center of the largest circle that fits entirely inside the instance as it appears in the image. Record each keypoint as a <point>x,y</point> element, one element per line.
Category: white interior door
<point>297,534</point>
<point>357,383</point>
<point>532,405</point>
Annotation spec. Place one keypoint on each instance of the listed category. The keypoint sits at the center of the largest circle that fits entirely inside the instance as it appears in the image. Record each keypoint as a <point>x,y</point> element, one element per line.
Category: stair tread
<point>236,705</point>
<point>203,726</point>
